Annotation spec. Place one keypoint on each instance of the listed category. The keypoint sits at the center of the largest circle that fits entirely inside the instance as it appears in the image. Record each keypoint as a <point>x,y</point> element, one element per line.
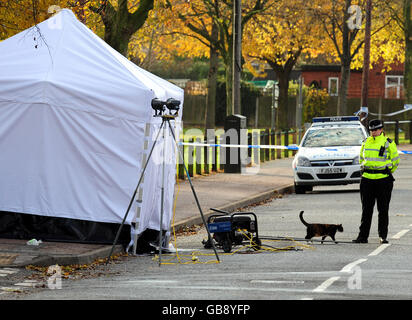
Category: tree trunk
<point>342,108</point>
<point>345,59</point>
<point>229,78</point>
<point>212,81</point>
<point>118,40</point>
<point>80,12</point>
<point>283,72</point>
<point>282,112</point>
<point>408,52</point>
<point>237,56</point>
<point>120,24</point>
<point>228,61</point>
<point>366,56</point>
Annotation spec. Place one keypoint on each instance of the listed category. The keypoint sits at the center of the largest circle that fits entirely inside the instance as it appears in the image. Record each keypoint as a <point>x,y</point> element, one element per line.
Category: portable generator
<point>233,229</point>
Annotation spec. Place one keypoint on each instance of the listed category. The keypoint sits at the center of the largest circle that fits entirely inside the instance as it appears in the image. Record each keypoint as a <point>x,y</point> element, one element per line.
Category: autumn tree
<point>335,17</point>
<point>408,50</point>
<point>401,13</point>
<point>18,15</point>
<point>171,38</point>
<point>198,17</point>
<point>278,37</point>
<point>121,18</point>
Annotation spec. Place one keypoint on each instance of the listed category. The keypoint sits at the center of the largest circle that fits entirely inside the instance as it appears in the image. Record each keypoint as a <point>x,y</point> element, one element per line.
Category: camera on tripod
<point>160,106</point>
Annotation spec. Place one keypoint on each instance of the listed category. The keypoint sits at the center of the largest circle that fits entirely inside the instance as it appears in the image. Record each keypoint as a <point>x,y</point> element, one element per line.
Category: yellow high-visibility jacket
<point>378,154</point>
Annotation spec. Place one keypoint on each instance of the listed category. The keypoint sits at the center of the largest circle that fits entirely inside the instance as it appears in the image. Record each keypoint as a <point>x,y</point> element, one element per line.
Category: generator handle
<point>213,216</point>
<point>245,213</point>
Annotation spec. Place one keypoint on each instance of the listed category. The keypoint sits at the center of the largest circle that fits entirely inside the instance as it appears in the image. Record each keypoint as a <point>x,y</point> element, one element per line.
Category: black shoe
<point>383,240</point>
<point>359,240</point>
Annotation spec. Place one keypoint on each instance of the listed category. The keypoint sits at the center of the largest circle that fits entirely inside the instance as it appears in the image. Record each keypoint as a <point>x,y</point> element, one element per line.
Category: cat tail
<point>301,218</point>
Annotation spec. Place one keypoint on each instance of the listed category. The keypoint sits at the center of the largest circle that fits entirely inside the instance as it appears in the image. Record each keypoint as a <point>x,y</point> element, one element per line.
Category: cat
<point>320,229</point>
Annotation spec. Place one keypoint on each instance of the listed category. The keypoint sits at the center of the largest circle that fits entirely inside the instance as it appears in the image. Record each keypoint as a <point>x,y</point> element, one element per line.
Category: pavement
<point>224,191</point>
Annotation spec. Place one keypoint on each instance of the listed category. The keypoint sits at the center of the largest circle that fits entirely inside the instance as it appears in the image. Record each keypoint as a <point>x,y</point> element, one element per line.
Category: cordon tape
<point>253,146</point>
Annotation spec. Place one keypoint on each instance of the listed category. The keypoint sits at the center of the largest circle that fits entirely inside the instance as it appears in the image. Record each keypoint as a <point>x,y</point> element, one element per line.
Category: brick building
<point>388,85</point>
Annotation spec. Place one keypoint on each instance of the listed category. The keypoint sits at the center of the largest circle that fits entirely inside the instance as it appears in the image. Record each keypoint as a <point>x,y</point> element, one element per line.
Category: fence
<point>207,159</point>
<point>399,130</point>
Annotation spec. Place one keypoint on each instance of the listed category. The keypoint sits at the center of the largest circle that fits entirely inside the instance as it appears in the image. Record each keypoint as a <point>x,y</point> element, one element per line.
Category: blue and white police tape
<point>253,146</point>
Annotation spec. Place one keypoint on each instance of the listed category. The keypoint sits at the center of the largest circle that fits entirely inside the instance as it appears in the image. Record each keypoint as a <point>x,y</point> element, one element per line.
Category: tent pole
<point>194,193</point>
<point>134,194</point>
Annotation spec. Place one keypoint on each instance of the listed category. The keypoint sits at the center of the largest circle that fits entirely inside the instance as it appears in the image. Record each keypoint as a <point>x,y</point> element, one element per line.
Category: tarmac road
<point>307,271</point>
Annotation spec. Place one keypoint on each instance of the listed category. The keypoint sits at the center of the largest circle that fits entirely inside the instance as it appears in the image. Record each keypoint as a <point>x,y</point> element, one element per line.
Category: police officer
<point>379,159</point>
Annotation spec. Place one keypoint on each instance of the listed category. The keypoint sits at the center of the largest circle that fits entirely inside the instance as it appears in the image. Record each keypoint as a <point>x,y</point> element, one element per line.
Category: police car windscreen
<point>329,137</point>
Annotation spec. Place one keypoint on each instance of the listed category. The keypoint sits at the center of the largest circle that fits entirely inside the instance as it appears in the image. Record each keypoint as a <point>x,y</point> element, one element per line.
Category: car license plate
<point>331,170</point>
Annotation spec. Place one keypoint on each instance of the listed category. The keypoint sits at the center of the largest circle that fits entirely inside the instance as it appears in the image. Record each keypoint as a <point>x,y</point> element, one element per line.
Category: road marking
<point>27,283</point>
<point>278,281</point>
<point>8,271</point>
<point>400,234</point>
<point>226,288</point>
<point>348,268</point>
<point>379,249</point>
<point>4,272</point>
<point>153,281</point>
<point>325,284</point>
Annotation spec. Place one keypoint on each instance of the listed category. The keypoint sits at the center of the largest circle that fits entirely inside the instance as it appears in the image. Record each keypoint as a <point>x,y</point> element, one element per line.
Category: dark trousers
<point>379,190</point>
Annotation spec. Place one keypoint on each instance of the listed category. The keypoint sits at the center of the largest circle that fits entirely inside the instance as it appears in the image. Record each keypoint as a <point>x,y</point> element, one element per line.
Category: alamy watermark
<point>355,20</point>
<point>55,22</point>
<point>54,280</point>
<point>355,280</point>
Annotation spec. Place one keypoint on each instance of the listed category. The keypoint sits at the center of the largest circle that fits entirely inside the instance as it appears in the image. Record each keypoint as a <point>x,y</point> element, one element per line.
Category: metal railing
<point>397,123</point>
<point>207,159</point>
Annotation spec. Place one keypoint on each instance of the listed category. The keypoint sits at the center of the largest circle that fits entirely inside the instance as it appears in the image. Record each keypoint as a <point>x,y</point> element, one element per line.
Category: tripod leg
<point>162,196</point>
<point>194,194</point>
<point>134,195</point>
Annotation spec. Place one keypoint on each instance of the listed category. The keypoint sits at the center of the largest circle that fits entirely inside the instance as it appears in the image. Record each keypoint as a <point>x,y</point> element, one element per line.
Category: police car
<point>329,153</point>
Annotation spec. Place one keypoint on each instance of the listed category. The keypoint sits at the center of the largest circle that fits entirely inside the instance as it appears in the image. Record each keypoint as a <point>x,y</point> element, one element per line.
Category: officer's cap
<point>375,124</point>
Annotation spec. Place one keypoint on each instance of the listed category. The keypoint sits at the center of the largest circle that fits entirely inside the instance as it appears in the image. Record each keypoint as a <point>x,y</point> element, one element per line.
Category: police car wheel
<point>300,189</point>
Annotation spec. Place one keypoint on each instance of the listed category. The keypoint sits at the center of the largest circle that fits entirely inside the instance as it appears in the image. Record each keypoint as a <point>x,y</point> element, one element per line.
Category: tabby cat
<point>320,229</point>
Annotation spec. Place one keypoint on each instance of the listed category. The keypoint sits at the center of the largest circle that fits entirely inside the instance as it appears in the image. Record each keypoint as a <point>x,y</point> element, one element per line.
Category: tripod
<point>166,118</point>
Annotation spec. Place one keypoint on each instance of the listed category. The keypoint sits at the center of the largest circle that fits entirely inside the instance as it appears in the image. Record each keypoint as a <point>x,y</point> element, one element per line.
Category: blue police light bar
<point>335,119</point>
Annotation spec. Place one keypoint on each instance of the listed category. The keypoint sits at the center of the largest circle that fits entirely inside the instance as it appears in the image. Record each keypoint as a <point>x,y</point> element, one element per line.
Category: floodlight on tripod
<point>160,106</point>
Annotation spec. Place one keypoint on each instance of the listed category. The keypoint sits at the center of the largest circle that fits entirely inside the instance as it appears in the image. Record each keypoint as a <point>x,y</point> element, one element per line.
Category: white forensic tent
<point>73,114</point>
